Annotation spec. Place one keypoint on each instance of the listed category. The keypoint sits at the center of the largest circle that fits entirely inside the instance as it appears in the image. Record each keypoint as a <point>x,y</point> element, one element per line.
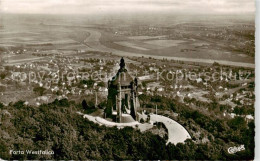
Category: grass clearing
<point>130,45</point>
<point>165,43</point>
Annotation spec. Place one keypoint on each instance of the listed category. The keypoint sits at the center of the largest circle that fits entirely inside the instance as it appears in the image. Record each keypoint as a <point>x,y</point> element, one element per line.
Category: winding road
<point>176,132</point>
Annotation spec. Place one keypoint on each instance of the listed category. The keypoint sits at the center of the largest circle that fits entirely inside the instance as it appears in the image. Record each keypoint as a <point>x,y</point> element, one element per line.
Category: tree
<point>84,105</point>
<point>102,105</point>
<point>89,83</point>
<point>39,90</point>
<point>215,64</point>
<point>3,75</point>
<point>19,104</point>
<point>1,105</point>
<point>101,84</point>
<point>237,123</point>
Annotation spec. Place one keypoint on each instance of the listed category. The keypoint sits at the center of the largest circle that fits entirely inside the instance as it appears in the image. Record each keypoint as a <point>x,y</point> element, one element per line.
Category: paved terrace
<point>176,132</point>
<point>107,123</point>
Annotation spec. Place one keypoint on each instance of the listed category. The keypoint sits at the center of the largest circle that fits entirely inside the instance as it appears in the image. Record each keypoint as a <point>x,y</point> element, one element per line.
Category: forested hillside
<point>58,127</point>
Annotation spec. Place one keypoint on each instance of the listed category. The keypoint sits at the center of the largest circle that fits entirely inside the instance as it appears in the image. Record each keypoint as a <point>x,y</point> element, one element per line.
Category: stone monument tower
<point>122,97</point>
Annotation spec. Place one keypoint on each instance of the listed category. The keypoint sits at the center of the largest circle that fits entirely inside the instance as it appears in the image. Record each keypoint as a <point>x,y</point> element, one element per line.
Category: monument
<point>122,99</point>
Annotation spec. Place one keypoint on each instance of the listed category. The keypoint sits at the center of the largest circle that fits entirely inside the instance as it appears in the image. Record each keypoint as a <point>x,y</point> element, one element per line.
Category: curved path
<point>176,132</point>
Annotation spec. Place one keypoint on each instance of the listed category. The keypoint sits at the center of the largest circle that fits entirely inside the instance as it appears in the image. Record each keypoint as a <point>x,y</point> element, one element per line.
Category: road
<point>176,132</point>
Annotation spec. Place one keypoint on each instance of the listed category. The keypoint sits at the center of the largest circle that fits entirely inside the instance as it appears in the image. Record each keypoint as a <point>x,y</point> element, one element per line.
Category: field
<point>145,43</point>
<point>44,37</point>
<point>188,41</point>
<point>131,45</point>
<point>183,48</point>
<point>145,37</point>
<point>164,43</point>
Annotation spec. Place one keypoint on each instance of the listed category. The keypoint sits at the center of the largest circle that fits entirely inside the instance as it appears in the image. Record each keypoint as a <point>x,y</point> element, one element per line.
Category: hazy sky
<point>128,6</point>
